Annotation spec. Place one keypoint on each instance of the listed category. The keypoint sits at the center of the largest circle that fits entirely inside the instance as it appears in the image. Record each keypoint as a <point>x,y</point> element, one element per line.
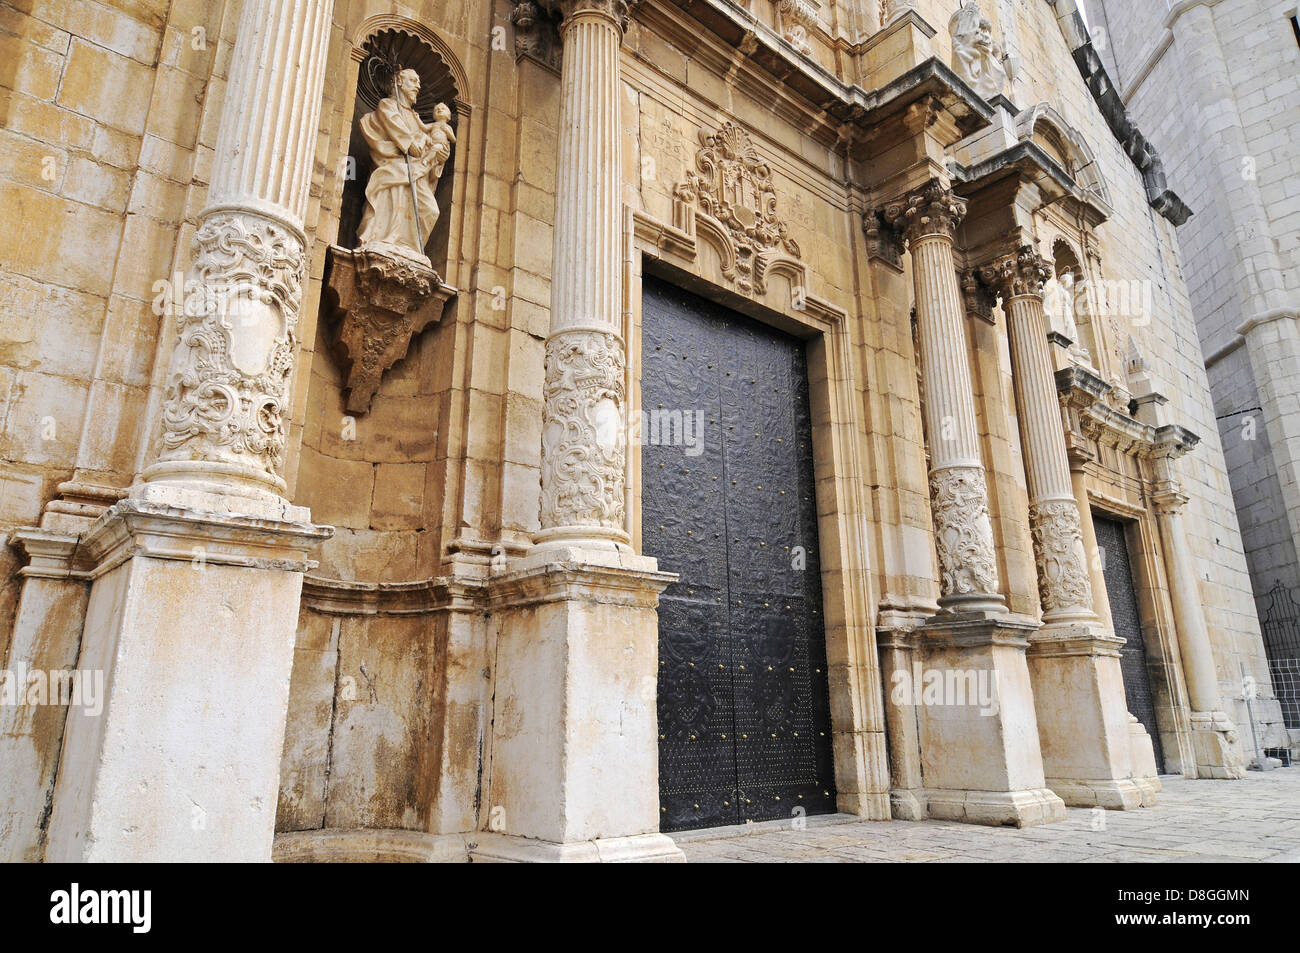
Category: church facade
<point>518,430</point>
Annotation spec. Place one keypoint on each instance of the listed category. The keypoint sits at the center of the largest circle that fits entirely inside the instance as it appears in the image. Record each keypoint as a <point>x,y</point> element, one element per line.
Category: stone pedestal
<point>980,758</point>
<point>191,622</point>
<point>575,750</point>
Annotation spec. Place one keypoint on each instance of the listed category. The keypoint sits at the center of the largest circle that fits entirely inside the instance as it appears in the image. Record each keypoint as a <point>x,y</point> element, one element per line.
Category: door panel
<point>744,715</point>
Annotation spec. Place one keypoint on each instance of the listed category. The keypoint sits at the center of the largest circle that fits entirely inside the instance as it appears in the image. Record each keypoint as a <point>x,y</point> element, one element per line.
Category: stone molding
<point>335,845</point>
<point>416,597</point>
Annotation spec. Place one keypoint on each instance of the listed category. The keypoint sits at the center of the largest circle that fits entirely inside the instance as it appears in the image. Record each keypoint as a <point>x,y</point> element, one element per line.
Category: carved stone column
<point>968,573</point>
<point>584,439</point>
<point>197,574</point>
<point>1064,586</point>
<point>575,768</point>
<point>978,763</point>
<point>1073,659</point>
<point>1214,735</point>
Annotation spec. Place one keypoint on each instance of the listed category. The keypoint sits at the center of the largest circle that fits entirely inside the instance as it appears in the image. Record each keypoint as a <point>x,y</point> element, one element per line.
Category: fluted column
<point>198,572</point>
<point>584,440</point>
<point>227,394</point>
<point>1064,586</point>
<point>958,490</point>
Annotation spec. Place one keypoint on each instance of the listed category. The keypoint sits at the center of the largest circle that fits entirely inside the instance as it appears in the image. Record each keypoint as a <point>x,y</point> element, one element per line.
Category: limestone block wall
<point>1256,179</point>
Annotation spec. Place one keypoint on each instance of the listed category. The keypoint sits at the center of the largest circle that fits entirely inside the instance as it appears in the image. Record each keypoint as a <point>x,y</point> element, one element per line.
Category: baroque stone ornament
<point>1063,582</point>
<point>976,296</point>
<point>963,532</point>
<point>797,17</point>
<point>536,34</point>
<point>976,57</point>
<point>732,193</point>
<point>380,302</point>
<point>883,241</point>
<point>228,389</point>
<point>1017,275</point>
<point>584,443</point>
<point>931,209</point>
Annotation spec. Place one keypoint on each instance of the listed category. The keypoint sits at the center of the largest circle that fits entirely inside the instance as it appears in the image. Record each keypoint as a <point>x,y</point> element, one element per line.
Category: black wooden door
<point>1124,613</point>
<point>744,714</point>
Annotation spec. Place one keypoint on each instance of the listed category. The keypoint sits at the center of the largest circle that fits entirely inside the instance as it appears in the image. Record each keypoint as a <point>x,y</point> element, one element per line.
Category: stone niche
<point>383,278</point>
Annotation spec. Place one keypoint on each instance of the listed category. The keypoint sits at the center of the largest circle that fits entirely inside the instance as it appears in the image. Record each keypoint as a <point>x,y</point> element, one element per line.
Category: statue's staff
<point>410,176</point>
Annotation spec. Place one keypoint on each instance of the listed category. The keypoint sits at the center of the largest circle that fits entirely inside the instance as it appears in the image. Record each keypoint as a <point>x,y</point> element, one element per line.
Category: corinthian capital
<point>1022,273</point>
<point>932,209</point>
<point>616,10</point>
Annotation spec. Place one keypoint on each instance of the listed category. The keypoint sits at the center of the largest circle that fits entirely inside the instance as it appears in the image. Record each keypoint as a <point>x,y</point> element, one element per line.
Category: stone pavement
<point>1255,819</point>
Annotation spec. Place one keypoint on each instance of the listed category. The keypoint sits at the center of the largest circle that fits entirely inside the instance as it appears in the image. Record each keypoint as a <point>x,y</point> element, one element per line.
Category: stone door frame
<point>857,704</point>
<point>1156,620</point>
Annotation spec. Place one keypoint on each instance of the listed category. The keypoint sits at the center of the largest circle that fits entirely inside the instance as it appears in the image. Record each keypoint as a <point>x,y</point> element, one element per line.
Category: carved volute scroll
<point>731,192</point>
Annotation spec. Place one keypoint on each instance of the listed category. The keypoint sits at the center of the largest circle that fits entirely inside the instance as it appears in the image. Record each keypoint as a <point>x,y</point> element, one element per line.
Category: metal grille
<point>1124,614</point>
<point>744,714</point>
<point>1281,625</point>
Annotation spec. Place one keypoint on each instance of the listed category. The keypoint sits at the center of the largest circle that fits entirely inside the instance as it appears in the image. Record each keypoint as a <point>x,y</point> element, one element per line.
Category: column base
<point>1083,725</point>
<point>191,624</point>
<point>637,849</point>
<point>1027,808</point>
<point>980,759</point>
<point>1214,740</point>
<point>575,754</point>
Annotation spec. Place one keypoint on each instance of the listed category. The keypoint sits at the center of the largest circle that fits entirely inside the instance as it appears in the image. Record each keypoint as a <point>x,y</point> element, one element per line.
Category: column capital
<point>1019,274</point>
<point>932,209</point>
<point>619,11</point>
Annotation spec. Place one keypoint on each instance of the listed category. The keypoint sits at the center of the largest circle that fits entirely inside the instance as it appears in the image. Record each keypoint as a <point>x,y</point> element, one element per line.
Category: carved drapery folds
<point>584,445</point>
<point>228,390</point>
<point>963,532</point>
<point>731,193</point>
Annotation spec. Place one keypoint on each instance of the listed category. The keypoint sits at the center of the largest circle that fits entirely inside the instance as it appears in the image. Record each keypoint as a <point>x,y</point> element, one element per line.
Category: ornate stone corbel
<point>979,300</point>
<point>536,34</point>
<point>379,303</point>
<point>797,17</point>
<point>883,240</point>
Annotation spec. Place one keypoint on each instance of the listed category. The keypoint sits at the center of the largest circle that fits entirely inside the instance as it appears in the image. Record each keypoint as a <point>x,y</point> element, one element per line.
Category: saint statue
<point>409,155</point>
<point>976,58</point>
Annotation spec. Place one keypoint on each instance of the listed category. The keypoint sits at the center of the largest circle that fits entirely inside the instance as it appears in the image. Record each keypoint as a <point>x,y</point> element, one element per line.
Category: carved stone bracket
<point>883,240</point>
<point>979,300</point>
<point>797,18</point>
<point>536,33</point>
<point>731,195</point>
<point>379,303</point>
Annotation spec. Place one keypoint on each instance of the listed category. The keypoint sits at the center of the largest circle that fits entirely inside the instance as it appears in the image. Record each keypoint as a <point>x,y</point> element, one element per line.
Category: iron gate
<point>729,504</point>
<point>1281,625</point>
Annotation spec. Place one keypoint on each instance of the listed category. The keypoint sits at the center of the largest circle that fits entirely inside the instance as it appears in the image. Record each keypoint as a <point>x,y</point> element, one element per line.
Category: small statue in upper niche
<point>976,57</point>
<point>409,156</point>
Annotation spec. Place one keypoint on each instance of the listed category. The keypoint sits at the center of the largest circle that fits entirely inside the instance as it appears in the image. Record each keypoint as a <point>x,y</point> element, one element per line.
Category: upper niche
<point>384,53</point>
